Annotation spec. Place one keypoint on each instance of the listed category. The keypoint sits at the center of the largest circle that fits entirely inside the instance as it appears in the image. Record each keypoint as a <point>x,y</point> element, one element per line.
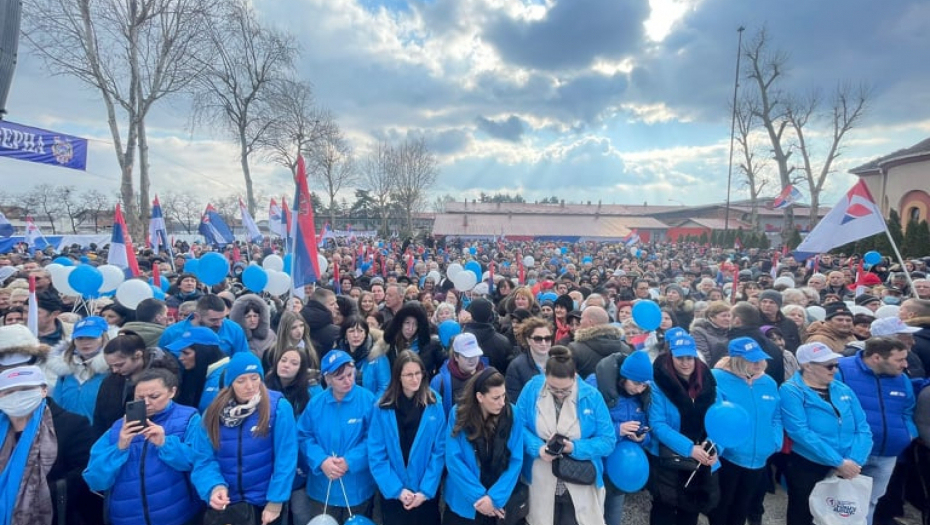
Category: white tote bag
<point>838,501</point>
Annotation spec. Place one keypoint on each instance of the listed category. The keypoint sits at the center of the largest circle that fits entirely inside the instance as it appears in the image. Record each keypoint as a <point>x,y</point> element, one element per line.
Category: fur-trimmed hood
<point>59,365</point>
<point>604,331</point>
<point>17,339</point>
<point>237,314</point>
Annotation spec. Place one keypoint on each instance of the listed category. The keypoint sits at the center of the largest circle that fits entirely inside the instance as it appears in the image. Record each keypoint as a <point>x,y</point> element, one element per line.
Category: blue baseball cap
<point>682,345</point>
<point>92,327</point>
<point>333,360</point>
<point>195,335</point>
<point>748,349</point>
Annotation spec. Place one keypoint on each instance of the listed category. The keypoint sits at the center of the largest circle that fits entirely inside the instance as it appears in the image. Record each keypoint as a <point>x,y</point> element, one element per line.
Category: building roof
<point>518,225</point>
<point>713,224</point>
<point>921,149</point>
<point>554,209</point>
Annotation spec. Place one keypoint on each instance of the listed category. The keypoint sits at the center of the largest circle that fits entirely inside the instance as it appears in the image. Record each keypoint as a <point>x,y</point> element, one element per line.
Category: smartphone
<point>135,413</point>
<point>642,430</point>
<point>556,445</point>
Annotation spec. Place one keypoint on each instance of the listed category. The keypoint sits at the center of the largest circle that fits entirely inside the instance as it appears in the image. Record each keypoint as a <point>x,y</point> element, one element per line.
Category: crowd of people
<point>385,391</point>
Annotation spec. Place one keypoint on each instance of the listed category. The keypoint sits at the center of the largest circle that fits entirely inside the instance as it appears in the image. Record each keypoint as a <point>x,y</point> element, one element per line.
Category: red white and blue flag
<point>121,252</point>
<point>631,238</point>
<point>214,228</point>
<point>788,196</point>
<point>855,217</point>
<point>158,230</point>
<point>32,233</point>
<point>276,222</point>
<point>304,264</point>
<point>251,229</point>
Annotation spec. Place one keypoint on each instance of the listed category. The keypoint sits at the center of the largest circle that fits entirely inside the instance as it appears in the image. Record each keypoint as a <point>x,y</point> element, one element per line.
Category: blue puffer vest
<point>888,402</point>
<point>247,461</point>
<point>146,490</point>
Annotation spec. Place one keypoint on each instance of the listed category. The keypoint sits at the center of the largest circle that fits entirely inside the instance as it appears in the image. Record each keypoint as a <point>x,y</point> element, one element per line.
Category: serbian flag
<point>631,238</point>
<point>276,223</point>
<point>855,217</point>
<point>158,231</point>
<point>787,197</point>
<point>249,224</point>
<point>214,228</point>
<point>121,252</point>
<point>32,233</point>
<point>304,265</point>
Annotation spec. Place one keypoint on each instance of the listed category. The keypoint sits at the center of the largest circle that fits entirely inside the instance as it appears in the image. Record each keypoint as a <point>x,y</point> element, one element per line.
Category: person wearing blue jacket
<point>683,390</point>
<point>81,368</point>
<point>406,445</point>
<point>372,369</point>
<point>876,375</point>
<point>559,403</point>
<point>623,382</point>
<point>827,425</point>
<point>741,380</point>
<point>144,468</point>
<point>210,313</point>
<point>483,452</point>
<point>332,433</point>
<point>246,448</point>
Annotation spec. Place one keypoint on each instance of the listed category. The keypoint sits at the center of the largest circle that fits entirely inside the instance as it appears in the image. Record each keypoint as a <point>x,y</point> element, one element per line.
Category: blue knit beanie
<point>637,367</point>
<point>243,363</point>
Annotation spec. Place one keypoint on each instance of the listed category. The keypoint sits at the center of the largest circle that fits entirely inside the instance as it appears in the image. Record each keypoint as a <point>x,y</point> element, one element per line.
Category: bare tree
<point>134,53</point>
<point>234,89</point>
<point>43,201</point>
<point>779,112</point>
<point>183,209</point>
<point>94,204</point>
<point>227,207</point>
<point>752,168</point>
<point>379,178</point>
<point>69,206</point>
<point>296,124</point>
<point>847,107</point>
<point>416,172</point>
<point>332,164</point>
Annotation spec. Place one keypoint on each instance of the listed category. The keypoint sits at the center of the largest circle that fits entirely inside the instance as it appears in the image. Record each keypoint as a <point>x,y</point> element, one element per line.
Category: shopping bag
<point>838,501</point>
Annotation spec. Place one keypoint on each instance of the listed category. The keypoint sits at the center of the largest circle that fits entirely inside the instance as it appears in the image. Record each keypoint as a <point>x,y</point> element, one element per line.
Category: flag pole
<point>897,253</point>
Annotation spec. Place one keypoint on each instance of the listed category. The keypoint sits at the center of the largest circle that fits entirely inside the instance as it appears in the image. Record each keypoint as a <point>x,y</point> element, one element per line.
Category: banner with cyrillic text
<point>45,147</point>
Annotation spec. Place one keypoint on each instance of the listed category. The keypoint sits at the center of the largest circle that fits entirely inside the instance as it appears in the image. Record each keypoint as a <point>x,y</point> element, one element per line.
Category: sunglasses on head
<point>542,338</point>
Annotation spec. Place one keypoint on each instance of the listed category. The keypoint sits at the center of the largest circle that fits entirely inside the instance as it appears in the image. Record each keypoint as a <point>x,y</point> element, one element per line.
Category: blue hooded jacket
<point>888,402</point>
<point>329,427</point>
<point>825,433</point>
<point>232,336</point>
<point>761,402</point>
<point>426,461</point>
<point>148,484</point>
<point>598,438</point>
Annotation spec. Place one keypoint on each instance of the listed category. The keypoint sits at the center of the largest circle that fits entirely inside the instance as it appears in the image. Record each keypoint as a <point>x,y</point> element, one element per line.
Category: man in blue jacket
<point>876,376</point>
<point>210,313</point>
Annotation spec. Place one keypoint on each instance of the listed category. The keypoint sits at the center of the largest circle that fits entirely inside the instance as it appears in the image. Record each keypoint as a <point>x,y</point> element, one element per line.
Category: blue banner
<point>45,147</point>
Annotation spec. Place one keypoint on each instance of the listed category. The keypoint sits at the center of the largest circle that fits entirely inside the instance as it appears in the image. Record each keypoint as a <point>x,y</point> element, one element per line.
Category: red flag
<point>122,253</point>
<point>305,265</point>
<point>521,272</point>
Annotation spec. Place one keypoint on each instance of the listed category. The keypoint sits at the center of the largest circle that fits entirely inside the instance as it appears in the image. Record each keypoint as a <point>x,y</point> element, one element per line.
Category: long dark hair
<point>468,416</point>
<point>394,334</point>
<point>193,381</point>
<point>297,392</point>
<point>424,396</point>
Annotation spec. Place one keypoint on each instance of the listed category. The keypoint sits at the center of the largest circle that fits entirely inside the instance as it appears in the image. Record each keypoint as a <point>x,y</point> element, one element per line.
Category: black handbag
<point>670,459</point>
<point>242,513</point>
<point>517,507</point>
<point>570,470</point>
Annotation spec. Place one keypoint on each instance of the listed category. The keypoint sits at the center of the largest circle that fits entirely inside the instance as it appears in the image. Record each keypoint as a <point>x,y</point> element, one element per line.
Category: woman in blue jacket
<point>372,369</point>
<point>406,445</point>
<point>827,425</point>
<point>332,433</point>
<point>623,382</point>
<point>741,379</point>
<point>81,368</point>
<point>684,389</point>
<point>483,452</point>
<point>246,448</point>
<point>559,403</point>
<point>145,468</point>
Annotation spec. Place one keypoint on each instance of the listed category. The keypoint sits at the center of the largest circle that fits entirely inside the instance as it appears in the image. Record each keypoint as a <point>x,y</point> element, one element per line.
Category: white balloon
<point>53,270</point>
<point>454,270</point>
<point>529,261</point>
<point>113,276</point>
<point>323,519</point>
<point>279,283</point>
<point>321,260</point>
<point>485,276</point>
<point>273,262</point>
<point>62,283</point>
<point>132,292</point>
<point>465,281</point>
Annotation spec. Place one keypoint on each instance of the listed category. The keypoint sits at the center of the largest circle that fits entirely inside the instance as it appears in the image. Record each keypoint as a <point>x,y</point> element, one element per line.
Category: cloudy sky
<point>623,101</point>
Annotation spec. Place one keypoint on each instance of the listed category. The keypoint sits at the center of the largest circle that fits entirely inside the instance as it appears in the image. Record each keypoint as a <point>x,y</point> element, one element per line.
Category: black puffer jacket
<point>319,320</point>
<point>595,343</point>
<point>495,346</point>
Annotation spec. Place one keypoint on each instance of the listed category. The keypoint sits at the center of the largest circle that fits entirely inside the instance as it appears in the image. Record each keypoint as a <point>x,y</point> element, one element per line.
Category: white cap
<point>891,326</point>
<point>22,376</point>
<point>466,345</point>
<point>816,353</point>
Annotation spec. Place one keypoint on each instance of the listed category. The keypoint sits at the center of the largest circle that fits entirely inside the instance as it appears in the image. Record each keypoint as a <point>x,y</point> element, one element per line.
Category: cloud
<point>510,129</point>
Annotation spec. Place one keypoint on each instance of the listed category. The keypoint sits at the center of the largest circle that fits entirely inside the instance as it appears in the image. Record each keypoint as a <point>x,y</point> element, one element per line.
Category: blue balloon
<point>64,261</point>
<point>472,250</point>
<point>288,261</point>
<point>213,268</point>
<point>192,266</point>
<point>726,424</point>
<point>647,315</point>
<point>872,258</point>
<point>475,268</point>
<point>254,278</point>
<point>86,280</point>
<point>358,519</point>
<point>627,466</point>
<point>157,292</point>
<point>163,283</point>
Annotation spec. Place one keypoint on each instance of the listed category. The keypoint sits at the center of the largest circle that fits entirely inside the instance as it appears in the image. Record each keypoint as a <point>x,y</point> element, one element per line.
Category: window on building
<point>913,214</point>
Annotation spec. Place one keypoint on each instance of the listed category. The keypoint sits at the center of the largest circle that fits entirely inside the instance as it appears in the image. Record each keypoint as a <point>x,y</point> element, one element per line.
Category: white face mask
<point>22,403</point>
